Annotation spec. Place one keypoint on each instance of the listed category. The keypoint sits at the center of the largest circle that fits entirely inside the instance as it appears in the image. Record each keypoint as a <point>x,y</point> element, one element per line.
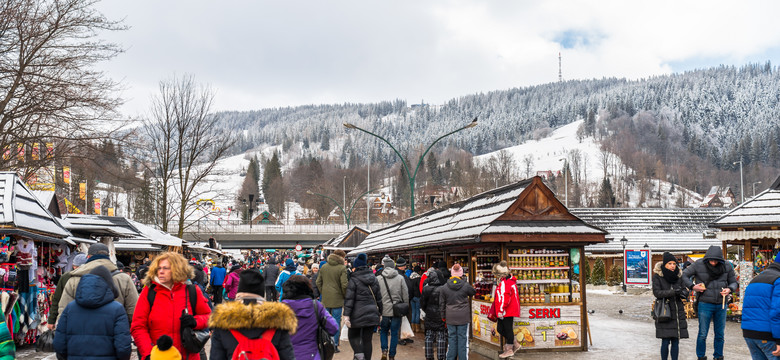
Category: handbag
<point>193,340</point>
<point>661,310</point>
<point>325,343</point>
<point>399,309</point>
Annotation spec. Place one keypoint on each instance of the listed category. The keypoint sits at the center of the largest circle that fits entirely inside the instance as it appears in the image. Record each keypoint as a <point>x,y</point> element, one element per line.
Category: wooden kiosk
<point>524,224</point>
<point>754,228</point>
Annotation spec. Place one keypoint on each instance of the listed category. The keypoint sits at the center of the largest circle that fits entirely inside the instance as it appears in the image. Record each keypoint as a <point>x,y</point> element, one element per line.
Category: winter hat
<point>103,272</point>
<point>119,265</point>
<point>417,269</point>
<point>387,262</point>
<point>251,281</point>
<point>361,260</point>
<point>501,269</point>
<point>164,350</point>
<point>97,249</point>
<point>315,266</point>
<point>669,257</point>
<point>400,262</point>
<point>456,270</point>
<point>300,269</point>
<point>79,260</point>
<point>289,263</point>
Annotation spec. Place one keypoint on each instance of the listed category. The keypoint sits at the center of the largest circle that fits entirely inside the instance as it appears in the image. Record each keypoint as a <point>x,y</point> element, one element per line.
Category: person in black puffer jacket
<point>713,278</point>
<point>362,308</point>
<point>668,286</point>
<point>434,327</point>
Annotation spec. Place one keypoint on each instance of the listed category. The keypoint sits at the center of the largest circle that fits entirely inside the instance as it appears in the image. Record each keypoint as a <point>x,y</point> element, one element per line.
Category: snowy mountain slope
<point>548,154</point>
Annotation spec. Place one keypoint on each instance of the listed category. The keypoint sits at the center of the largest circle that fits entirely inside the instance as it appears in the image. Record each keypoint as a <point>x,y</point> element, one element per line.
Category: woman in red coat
<point>167,275</point>
<point>507,306</point>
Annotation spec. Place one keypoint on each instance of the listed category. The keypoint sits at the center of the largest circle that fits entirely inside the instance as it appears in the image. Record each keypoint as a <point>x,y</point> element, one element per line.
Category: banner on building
<point>50,150</point>
<point>110,211</point>
<point>97,206</point>
<point>36,151</point>
<point>70,208</point>
<point>83,191</point>
<point>20,152</point>
<point>66,175</point>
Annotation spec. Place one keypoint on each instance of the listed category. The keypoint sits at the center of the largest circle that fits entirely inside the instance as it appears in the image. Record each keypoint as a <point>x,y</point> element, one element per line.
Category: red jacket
<point>505,299</point>
<point>147,327</point>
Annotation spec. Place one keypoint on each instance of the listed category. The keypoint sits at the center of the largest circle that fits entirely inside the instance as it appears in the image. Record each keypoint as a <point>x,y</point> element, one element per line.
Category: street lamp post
<point>250,207</point>
<point>741,181</point>
<point>412,177</point>
<point>754,188</point>
<point>347,216</point>
<point>566,178</point>
<point>623,242</point>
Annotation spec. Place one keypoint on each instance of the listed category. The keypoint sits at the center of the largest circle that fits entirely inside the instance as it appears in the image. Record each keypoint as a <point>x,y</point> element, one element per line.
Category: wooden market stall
<point>754,228</point>
<point>34,252</point>
<point>524,224</point>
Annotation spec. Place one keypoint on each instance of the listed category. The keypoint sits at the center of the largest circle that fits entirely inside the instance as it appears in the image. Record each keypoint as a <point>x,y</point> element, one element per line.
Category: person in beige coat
<point>97,256</point>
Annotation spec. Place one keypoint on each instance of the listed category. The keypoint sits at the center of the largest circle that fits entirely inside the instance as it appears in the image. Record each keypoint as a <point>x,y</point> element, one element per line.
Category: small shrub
<point>598,276</point>
<point>615,275</point>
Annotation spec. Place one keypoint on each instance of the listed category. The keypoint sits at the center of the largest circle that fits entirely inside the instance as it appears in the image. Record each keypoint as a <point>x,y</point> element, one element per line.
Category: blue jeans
<point>415,310</point>
<point>336,313</point>
<point>711,312</point>
<point>761,349</point>
<point>392,324</point>
<point>458,347</point>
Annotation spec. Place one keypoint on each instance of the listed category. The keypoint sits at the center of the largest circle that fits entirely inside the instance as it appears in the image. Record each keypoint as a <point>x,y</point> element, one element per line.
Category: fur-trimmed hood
<point>657,269</point>
<point>268,315</point>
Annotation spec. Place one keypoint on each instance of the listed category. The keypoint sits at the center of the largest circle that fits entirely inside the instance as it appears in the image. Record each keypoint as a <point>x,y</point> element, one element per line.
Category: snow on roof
<point>99,225</point>
<point>762,210</point>
<point>461,221</point>
<point>157,237</point>
<point>19,208</point>
<point>674,229</point>
<point>334,242</point>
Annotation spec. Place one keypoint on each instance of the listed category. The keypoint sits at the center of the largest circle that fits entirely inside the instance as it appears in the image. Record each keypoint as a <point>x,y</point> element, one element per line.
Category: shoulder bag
<point>661,310</point>
<point>399,309</point>
<point>325,343</point>
<point>193,340</point>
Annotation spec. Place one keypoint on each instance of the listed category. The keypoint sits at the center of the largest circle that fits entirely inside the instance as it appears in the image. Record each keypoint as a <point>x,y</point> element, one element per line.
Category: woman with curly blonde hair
<point>166,294</point>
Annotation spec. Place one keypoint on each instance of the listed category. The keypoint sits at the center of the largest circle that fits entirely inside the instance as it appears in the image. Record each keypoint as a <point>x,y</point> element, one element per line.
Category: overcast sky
<point>261,54</point>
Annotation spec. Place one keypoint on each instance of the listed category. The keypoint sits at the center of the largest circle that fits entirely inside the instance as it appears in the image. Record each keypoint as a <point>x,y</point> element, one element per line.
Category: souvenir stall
<point>754,229</point>
<point>524,224</point>
<point>34,252</point>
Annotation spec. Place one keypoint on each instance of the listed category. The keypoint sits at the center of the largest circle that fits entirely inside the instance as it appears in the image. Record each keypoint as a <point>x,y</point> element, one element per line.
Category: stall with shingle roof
<point>754,228</point>
<point>524,224</point>
<point>681,231</point>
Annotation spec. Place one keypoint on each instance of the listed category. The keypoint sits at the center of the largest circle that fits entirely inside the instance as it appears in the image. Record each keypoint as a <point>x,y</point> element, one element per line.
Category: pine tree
<point>606,195</point>
<point>585,268</point>
<point>433,169</point>
<point>598,276</point>
<point>325,142</point>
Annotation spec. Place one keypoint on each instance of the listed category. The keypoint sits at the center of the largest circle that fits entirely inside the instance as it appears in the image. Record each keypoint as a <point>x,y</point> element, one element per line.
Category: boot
<point>391,358</point>
<point>384,355</point>
<point>359,356</point>
<point>516,346</point>
<point>507,352</point>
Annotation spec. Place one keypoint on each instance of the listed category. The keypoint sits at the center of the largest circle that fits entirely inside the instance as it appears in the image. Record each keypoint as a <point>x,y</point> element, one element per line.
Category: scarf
<point>715,271</point>
<point>669,275</point>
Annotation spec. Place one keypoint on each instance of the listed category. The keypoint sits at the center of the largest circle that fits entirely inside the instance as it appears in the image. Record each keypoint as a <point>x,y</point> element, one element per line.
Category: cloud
<point>259,54</point>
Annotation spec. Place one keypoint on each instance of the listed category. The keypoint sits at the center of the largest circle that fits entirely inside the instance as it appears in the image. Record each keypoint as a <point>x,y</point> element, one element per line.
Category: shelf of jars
<point>548,293</point>
<point>483,269</point>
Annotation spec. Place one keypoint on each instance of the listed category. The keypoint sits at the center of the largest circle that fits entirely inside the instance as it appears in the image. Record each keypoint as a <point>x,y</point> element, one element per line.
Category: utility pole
<point>368,199</point>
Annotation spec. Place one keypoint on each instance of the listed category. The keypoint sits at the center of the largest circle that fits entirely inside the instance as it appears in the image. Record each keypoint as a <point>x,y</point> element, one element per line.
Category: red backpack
<point>255,349</point>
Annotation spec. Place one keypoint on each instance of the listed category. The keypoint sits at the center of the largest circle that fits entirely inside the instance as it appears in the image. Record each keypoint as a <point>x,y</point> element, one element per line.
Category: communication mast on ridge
<point>560,74</point>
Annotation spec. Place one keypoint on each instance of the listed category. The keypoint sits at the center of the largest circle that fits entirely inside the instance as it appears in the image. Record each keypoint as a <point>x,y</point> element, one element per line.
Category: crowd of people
<point>279,303</point>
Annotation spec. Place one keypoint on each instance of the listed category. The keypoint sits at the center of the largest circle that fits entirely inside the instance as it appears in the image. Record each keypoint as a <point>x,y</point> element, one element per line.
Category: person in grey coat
<point>394,290</point>
<point>713,278</point>
<point>455,305</point>
<point>270,273</point>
